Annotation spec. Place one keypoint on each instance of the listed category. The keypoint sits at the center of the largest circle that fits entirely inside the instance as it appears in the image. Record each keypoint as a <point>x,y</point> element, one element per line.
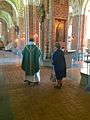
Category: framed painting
<point>60,30</point>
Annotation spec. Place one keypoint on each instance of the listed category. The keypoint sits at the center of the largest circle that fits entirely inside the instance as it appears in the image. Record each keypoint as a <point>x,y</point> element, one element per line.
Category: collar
<point>31,43</point>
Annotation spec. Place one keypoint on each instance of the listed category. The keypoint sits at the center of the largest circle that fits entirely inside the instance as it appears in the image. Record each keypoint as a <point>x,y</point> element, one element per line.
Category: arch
<point>14,6</point>
<point>87,8</point>
<point>6,17</point>
<point>1,17</point>
<point>15,10</point>
<point>84,6</point>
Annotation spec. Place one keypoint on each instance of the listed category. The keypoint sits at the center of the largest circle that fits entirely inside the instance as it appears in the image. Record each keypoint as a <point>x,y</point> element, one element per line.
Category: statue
<point>41,13</point>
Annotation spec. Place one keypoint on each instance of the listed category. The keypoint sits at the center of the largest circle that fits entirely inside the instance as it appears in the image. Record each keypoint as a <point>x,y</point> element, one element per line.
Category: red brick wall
<point>61,12</point>
<point>31,20</point>
<point>75,32</point>
<point>76,29</point>
<point>82,30</point>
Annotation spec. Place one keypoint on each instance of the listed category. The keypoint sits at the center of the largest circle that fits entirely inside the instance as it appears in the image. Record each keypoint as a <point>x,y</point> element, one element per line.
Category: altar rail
<point>68,57</point>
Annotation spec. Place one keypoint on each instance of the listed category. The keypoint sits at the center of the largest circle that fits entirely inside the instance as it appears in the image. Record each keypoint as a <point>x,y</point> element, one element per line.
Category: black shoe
<point>25,80</point>
<point>29,82</point>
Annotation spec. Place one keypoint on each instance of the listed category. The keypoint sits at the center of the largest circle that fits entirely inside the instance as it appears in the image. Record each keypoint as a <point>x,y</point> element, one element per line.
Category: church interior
<point>48,22</point>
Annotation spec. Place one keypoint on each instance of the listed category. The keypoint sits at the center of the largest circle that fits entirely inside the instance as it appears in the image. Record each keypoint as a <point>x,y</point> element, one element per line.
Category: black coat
<point>59,63</point>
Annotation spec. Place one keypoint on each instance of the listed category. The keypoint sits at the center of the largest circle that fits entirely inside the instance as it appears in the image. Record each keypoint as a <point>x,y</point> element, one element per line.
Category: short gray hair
<point>57,45</point>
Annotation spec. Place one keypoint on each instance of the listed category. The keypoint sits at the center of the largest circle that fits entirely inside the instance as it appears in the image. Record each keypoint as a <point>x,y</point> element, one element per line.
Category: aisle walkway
<point>20,101</point>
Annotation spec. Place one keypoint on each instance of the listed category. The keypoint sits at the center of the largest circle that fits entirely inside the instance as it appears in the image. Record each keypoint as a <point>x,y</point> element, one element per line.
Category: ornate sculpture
<point>41,13</point>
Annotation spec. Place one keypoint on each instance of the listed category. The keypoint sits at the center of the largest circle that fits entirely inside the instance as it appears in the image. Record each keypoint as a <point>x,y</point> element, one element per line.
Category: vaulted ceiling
<point>9,9</point>
<point>79,4</point>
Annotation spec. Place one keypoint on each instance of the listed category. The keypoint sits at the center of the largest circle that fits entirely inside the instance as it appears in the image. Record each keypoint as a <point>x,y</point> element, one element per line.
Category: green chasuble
<point>30,60</point>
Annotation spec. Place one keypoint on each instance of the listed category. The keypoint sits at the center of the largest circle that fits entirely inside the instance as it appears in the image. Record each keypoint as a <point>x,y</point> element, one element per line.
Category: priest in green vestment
<point>31,62</point>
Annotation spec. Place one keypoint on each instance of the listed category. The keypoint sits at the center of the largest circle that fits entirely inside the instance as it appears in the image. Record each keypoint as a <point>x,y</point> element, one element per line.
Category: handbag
<point>53,76</point>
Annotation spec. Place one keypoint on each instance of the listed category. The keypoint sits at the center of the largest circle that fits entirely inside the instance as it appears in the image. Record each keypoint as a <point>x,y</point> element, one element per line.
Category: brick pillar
<point>31,20</point>
<point>46,31</point>
<point>21,28</point>
<point>12,35</point>
<point>26,18</point>
<point>82,30</point>
<point>34,19</point>
<point>75,29</point>
<point>4,32</point>
<point>42,28</point>
<point>50,28</point>
<point>77,32</point>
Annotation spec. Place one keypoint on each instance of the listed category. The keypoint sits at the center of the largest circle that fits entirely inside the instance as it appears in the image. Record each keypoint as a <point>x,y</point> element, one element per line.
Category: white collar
<point>31,43</point>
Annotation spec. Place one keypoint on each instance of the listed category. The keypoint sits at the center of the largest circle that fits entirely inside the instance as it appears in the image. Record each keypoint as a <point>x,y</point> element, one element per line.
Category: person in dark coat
<point>59,64</point>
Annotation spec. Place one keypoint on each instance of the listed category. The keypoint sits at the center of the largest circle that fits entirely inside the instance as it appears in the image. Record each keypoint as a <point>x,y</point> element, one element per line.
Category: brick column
<point>12,35</point>
<point>42,28</point>
<point>50,28</point>
<point>83,18</point>
<point>21,27</point>
<point>75,29</point>
<point>77,32</point>
<point>26,18</point>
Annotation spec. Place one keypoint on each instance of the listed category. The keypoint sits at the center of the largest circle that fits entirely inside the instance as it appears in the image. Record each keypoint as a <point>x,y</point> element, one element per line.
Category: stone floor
<point>20,101</point>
